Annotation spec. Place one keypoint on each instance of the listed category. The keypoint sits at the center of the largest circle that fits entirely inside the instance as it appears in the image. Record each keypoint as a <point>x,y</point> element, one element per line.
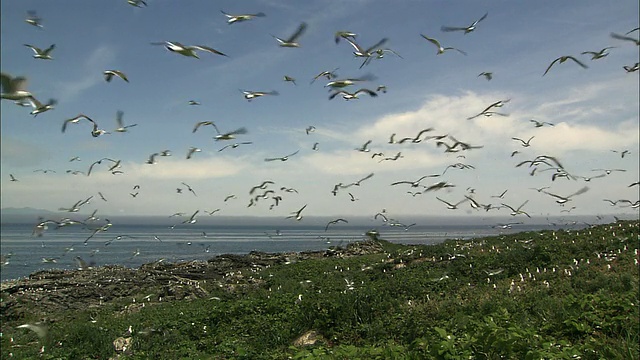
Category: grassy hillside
<point>552,294</point>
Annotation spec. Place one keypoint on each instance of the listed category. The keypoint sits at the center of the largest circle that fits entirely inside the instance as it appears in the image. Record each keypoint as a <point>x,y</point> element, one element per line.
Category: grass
<point>561,294</point>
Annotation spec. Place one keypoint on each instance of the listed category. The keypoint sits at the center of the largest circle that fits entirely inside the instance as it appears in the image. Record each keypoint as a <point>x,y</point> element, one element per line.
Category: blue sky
<point>594,110</point>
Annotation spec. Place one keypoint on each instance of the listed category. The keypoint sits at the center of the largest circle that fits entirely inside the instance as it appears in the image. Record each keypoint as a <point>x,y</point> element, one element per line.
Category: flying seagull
<point>14,88</point>
<point>189,51</point>
<point>487,75</point>
<point>291,41</point>
<point>562,59</point>
<point>39,107</point>
<point>40,53</point>
<point>442,49</point>
<point>249,95</point>
<point>297,214</point>
<point>563,199</point>
<point>109,74</point>
<point>334,222</point>
<point>121,127</point>
<point>595,55</point>
<point>626,38</point>
<point>350,96</point>
<point>230,135</point>
<point>540,123</point>
<point>284,158</point>
<point>242,17</point>
<point>466,29</point>
<point>33,19</point>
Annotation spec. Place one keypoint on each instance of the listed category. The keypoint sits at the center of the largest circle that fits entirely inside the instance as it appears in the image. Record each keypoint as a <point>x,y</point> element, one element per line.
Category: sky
<point>594,110</point>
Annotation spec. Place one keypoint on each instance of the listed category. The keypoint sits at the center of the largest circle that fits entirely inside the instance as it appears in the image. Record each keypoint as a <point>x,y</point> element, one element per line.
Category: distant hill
<point>24,211</point>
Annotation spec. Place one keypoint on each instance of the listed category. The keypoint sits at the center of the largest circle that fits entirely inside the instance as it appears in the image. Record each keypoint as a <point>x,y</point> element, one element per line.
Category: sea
<point>132,245</point>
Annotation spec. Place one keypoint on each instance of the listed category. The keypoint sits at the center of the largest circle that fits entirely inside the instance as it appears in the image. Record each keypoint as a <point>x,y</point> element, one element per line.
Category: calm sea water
<point>23,253</point>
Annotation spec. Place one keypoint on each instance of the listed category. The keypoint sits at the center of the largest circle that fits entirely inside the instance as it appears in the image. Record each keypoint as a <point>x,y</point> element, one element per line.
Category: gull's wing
<point>370,92</point>
<point>449,28</point>
<point>432,40</point>
<point>299,31</point>
<point>550,65</point>
<point>119,115</point>
<point>578,62</point>
<point>35,49</point>
<point>378,44</point>
<point>208,49</point>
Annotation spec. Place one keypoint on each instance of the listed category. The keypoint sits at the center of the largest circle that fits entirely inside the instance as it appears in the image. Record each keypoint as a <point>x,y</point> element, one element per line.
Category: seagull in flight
<point>192,219</point>
<point>12,177</point>
<point>297,214</point>
<point>330,75</point>
<point>334,222</point>
<point>242,17</point>
<point>191,151</point>
<point>121,127</point>
<point>292,40</point>
<point>33,19</point>
<point>466,29</point>
<point>364,148</point>
<point>442,49</point>
<point>540,123</point>
<point>188,51</point>
<point>40,53</point>
<point>229,135</point>
<point>109,74</point>
<point>39,107</point>
<point>524,143</point>
<point>562,59</point>
<point>563,199</point>
<point>487,75</point>
<point>235,145</point>
<point>137,3</point>
<point>451,206</point>
<point>284,158</point>
<point>14,88</point>
<point>190,189</point>
<point>350,96</point>
<point>595,55</point>
<point>517,210</point>
<point>249,95</point>
<point>626,38</point>
<point>347,82</point>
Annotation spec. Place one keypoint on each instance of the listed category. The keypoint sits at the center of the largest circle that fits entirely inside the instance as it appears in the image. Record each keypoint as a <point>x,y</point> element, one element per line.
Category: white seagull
<point>442,49</point>
<point>40,53</point>
<point>109,74</point>
<point>189,51</point>
<point>467,29</point>
<point>242,17</point>
<point>291,41</point>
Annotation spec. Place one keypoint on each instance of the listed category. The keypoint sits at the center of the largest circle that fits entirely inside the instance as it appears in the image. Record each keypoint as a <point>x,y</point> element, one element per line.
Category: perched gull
<point>40,53</point>
<point>189,51</point>
<point>291,41</point>
<point>242,17</point>
<point>109,74</point>
<point>442,49</point>
<point>562,59</point>
<point>466,29</point>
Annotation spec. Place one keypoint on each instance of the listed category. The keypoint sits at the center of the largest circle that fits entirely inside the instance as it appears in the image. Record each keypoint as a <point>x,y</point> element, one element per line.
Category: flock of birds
<point>14,88</point>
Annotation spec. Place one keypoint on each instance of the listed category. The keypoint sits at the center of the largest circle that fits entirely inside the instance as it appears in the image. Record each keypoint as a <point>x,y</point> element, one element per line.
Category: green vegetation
<point>535,295</point>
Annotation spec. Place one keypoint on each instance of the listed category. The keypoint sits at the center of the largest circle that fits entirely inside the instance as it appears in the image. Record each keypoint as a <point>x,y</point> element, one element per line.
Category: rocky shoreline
<point>46,292</point>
